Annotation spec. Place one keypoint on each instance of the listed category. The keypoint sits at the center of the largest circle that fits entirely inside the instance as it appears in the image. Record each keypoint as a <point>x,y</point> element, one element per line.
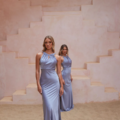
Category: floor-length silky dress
<point>50,87</point>
<point>66,101</point>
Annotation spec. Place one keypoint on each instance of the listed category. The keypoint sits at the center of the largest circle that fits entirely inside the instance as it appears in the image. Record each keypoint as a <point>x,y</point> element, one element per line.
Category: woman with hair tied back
<point>48,84</point>
<point>66,100</point>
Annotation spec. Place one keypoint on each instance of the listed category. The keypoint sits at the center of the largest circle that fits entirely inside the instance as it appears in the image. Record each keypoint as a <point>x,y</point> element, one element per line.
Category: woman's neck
<point>64,55</point>
<point>49,51</point>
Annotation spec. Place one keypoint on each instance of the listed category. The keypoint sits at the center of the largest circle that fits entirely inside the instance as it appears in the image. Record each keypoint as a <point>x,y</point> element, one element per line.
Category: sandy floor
<point>89,111</point>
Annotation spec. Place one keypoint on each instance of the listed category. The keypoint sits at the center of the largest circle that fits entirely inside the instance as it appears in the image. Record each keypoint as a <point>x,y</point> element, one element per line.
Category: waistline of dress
<point>66,67</point>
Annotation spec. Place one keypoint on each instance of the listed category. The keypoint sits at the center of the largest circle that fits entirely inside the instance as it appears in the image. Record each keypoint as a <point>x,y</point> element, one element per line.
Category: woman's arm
<point>62,59</point>
<point>38,56</point>
<point>59,74</point>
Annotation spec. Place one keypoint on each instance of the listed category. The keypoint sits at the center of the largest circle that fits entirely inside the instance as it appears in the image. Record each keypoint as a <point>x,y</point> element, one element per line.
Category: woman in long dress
<point>66,101</point>
<point>49,84</point>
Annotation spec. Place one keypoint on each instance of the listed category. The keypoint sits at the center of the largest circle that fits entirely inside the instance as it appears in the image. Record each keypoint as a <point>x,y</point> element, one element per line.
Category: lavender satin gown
<point>50,87</point>
<point>66,101</point>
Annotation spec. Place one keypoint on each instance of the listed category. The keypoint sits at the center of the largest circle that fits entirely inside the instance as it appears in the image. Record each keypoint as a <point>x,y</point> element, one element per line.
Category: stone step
<point>28,96</point>
<point>110,89</point>
<point>115,52</point>
<point>96,84</point>
<point>32,85</point>
<point>83,92</point>
<point>6,99</point>
<point>17,75</point>
<point>32,89</point>
<point>20,92</point>
<point>14,19</point>
<point>103,57</point>
<point>29,37</point>
<point>94,12</point>
<point>103,71</point>
<point>111,51</point>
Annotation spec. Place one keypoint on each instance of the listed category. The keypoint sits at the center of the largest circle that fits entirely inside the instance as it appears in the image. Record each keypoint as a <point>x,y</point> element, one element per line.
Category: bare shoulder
<point>57,57</point>
<point>38,55</point>
<point>61,57</point>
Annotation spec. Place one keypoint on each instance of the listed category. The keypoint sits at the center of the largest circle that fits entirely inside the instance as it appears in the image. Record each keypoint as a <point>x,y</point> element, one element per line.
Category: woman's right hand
<point>39,89</point>
<point>61,91</point>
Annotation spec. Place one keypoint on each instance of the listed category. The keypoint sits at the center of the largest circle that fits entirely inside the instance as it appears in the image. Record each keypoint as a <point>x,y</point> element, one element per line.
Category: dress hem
<point>66,110</point>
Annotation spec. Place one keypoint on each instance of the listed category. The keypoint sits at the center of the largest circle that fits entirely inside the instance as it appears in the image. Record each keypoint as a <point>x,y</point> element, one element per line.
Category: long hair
<point>53,43</point>
<point>61,48</point>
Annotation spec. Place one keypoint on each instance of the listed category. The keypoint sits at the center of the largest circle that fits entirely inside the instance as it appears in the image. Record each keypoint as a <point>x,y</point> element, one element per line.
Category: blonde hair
<point>61,48</point>
<point>53,43</point>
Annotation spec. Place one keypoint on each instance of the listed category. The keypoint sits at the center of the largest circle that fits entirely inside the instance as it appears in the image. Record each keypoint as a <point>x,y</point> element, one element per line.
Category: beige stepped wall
<point>21,31</point>
<point>36,32</point>
<point>88,92</point>
<point>65,28</point>
<point>50,3</point>
<point>79,36</point>
<point>15,73</point>
<point>28,96</point>
<point>107,70</point>
<point>104,12</point>
<point>83,92</point>
<point>28,38</point>
<point>27,44</point>
<point>16,14</point>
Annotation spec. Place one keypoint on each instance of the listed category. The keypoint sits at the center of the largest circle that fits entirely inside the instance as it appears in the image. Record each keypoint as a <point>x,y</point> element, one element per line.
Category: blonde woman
<point>66,100</point>
<point>48,83</point>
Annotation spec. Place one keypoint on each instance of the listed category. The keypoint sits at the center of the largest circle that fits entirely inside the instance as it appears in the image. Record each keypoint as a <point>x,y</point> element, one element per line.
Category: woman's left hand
<point>61,91</point>
<point>63,82</point>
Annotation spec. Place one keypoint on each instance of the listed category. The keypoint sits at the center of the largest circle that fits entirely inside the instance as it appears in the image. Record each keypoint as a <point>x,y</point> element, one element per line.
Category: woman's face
<point>64,51</point>
<point>48,44</point>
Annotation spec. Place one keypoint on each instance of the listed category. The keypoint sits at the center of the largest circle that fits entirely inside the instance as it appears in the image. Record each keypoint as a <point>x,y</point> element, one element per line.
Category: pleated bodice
<point>67,62</point>
<point>48,61</point>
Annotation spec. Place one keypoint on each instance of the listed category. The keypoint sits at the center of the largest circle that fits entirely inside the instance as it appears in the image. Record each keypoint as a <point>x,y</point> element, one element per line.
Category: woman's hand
<point>39,89</point>
<point>71,78</point>
<point>63,82</point>
<point>61,91</point>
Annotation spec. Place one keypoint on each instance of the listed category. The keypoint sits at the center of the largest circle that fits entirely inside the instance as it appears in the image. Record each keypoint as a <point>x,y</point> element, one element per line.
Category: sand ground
<point>88,111</point>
